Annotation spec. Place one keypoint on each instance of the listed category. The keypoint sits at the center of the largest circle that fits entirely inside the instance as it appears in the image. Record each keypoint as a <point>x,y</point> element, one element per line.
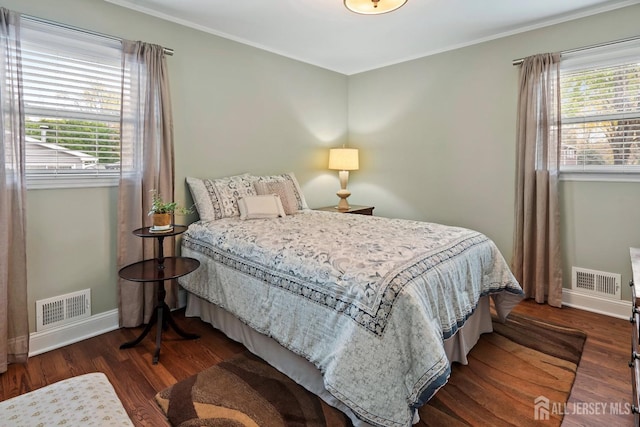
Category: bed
<point>366,312</point>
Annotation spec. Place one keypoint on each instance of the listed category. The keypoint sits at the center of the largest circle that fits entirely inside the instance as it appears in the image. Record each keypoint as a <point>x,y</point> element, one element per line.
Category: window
<point>600,95</point>
<point>72,88</point>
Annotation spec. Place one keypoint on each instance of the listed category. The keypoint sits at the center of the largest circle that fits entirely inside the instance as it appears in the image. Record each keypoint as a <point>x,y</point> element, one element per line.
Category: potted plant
<point>162,211</point>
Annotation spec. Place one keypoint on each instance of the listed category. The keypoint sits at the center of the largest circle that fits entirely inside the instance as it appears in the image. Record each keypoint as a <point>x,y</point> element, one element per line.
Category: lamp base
<point>343,194</point>
<point>343,205</point>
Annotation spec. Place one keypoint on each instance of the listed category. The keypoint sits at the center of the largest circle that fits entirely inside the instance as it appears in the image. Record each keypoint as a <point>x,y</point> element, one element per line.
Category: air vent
<point>595,282</point>
<point>63,309</point>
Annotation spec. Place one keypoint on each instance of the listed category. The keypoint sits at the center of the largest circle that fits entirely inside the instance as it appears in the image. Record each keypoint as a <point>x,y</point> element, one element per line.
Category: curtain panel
<point>14,321</point>
<point>147,163</point>
<point>537,262</point>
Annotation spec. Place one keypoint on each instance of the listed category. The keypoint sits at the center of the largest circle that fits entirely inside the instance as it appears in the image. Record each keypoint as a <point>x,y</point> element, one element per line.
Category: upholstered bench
<point>85,400</point>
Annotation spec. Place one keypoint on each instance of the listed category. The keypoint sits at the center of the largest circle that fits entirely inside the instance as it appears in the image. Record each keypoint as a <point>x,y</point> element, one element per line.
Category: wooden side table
<point>158,270</point>
<point>353,209</point>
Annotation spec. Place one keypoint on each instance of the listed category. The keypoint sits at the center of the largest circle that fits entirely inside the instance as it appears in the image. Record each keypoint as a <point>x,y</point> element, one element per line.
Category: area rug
<point>516,376</point>
<point>245,391</point>
<point>520,375</point>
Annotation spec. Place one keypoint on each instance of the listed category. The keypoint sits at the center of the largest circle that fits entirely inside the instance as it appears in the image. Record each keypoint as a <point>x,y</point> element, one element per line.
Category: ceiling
<point>326,34</point>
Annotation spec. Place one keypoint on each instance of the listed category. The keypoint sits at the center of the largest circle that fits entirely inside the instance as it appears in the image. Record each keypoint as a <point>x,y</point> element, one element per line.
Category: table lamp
<point>343,160</point>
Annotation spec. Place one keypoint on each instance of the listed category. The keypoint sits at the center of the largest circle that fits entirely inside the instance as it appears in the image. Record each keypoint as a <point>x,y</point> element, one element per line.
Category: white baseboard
<point>41,342</point>
<point>609,307</point>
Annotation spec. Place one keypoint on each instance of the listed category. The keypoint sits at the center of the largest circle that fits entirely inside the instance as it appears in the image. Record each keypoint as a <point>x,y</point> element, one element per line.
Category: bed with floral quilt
<point>368,301</point>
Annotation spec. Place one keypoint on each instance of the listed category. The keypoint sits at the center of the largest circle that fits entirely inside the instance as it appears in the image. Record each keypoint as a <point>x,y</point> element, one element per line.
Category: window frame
<point>36,32</point>
<point>589,59</point>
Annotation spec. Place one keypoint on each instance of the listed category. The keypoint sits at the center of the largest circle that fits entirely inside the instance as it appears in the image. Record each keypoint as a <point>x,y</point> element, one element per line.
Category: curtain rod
<point>593,46</point>
<point>167,51</point>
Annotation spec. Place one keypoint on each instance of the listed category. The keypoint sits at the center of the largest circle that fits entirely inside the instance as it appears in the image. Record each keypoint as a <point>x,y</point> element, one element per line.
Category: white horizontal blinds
<point>600,93</point>
<point>72,89</point>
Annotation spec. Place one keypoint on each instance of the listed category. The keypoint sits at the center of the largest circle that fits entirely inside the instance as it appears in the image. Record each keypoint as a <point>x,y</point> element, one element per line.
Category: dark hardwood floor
<point>601,393</point>
<point>603,376</point>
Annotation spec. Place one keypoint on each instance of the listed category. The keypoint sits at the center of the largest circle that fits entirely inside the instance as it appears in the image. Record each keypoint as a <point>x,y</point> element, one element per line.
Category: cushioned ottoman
<point>85,400</point>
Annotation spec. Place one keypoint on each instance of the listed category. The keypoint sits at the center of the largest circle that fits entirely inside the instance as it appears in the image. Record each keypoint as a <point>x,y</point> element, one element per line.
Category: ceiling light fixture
<point>373,7</point>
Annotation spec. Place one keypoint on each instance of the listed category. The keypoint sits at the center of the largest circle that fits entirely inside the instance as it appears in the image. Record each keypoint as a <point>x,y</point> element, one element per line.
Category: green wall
<point>439,136</point>
<point>236,109</point>
<point>437,140</point>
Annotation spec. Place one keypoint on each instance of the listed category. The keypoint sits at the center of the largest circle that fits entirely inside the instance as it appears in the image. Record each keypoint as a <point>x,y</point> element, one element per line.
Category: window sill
<point>70,182</point>
<point>600,176</point>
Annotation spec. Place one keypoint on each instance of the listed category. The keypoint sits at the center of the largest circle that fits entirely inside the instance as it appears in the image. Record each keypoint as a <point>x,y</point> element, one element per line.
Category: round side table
<point>158,270</point>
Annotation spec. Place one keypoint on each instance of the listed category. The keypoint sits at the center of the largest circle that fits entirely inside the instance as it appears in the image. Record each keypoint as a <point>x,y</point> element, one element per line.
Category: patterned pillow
<point>284,189</point>
<point>218,198</point>
<point>288,190</point>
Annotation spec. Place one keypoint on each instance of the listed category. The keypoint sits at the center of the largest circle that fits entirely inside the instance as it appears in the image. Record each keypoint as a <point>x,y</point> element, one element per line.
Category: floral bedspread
<point>368,300</point>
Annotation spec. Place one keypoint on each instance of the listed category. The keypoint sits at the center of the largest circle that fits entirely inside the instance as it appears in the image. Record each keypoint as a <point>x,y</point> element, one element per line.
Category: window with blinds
<point>72,89</point>
<point>600,95</point>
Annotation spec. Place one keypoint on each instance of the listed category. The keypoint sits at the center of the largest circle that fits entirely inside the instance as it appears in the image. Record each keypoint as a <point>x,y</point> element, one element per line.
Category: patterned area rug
<point>516,376</point>
<point>523,360</point>
<point>245,391</point>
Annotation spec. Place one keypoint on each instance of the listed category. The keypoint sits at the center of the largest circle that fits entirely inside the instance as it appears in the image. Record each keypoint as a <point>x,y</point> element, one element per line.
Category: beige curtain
<point>14,322</point>
<point>537,260</point>
<point>147,164</point>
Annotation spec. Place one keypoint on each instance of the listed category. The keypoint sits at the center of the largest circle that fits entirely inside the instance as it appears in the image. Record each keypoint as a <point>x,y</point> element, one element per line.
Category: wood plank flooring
<point>603,376</point>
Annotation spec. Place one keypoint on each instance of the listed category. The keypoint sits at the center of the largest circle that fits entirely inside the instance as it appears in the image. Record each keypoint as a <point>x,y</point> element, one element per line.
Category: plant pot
<point>161,220</point>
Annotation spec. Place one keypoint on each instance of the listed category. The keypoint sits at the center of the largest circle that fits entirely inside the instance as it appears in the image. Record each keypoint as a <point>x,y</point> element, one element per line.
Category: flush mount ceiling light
<point>373,7</point>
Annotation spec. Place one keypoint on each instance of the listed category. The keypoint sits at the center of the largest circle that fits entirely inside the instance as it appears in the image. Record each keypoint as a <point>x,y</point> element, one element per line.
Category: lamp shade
<point>343,159</point>
<point>373,7</point>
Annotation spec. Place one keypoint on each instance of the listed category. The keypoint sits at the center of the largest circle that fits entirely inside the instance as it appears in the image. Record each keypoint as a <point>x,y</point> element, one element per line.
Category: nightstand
<point>158,270</point>
<point>354,209</point>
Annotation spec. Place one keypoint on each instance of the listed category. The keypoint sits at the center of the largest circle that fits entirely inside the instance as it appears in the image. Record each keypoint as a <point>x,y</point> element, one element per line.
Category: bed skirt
<point>304,372</point>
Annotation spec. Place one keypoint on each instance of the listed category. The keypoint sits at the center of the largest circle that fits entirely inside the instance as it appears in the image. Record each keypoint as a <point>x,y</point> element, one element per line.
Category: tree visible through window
<point>100,140</point>
<point>600,96</point>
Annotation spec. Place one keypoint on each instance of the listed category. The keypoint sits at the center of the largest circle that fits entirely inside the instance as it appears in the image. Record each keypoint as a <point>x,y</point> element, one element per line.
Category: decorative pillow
<point>266,206</point>
<point>284,189</point>
<point>291,190</point>
<point>217,198</point>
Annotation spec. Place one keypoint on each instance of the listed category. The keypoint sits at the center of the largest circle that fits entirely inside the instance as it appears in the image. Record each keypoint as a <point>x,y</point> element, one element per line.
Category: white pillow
<point>266,206</point>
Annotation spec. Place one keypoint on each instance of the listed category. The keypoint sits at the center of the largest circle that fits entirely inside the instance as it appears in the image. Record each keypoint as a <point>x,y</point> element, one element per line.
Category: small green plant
<point>159,206</point>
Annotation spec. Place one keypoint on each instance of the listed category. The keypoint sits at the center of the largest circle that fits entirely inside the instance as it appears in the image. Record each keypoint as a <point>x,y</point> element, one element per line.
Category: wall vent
<point>63,309</point>
<point>595,282</point>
